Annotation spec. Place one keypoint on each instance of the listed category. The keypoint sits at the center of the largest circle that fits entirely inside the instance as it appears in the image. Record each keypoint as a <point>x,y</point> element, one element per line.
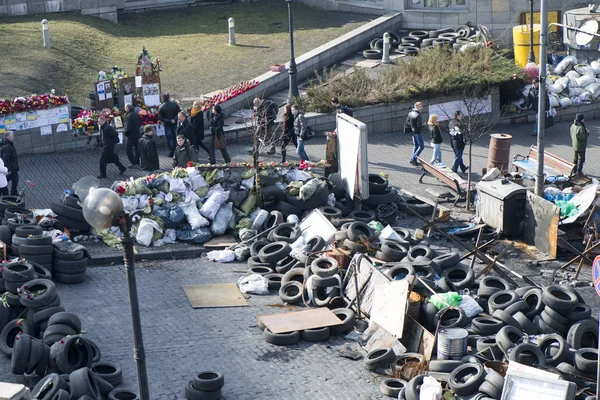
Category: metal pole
<point>46,33</point>
<point>539,178</point>
<point>292,69</point>
<point>231,31</point>
<point>139,354</point>
<point>531,53</point>
<point>598,369</point>
<point>385,58</point>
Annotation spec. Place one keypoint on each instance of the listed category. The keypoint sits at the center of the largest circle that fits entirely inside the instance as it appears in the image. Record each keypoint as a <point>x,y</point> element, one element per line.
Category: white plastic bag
<point>248,183</point>
<point>575,91</point>
<point>584,69</point>
<point>210,208</point>
<point>585,80</point>
<point>595,66</point>
<point>221,221</point>
<point>146,230</point>
<point>221,256</point>
<point>259,220</point>
<point>193,215</point>
<point>130,203</point>
<point>297,175</point>
<point>565,102</point>
<point>594,89</point>
<point>197,180</point>
<point>255,284</point>
<point>554,101</point>
<point>431,389</point>
<point>176,185</point>
<point>389,233</point>
<point>585,97</point>
<point>564,64</point>
<point>555,88</point>
<point>573,74</point>
<point>470,306</point>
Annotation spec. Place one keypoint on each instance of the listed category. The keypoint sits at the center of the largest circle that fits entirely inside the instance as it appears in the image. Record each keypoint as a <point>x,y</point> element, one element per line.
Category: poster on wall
<point>46,130</point>
<point>151,93</point>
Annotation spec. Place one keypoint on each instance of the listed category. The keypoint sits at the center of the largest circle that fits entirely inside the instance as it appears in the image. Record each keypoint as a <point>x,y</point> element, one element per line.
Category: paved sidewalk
<point>388,152</point>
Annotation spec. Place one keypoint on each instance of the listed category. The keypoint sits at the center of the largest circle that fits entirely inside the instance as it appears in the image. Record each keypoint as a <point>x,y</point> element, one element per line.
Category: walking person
<point>579,136</point>
<point>3,181</point>
<point>266,114</point>
<point>218,136</point>
<point>8,153</point>
<point>197,120</point>
<point>457,141</point>
<point>184,152</point>
<point>148,153</point>
<point>288,131</point>
<point>436,138</point>
<point>184,127</point>
<point>533,102</point>
<point>132,133</point>
<point>109,139</point>
<point>167,114</point>
<point>301,132</point>
<point>415,121</point>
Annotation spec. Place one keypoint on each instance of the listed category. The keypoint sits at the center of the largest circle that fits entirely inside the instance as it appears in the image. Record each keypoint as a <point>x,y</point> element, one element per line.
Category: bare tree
<point>475,104</point>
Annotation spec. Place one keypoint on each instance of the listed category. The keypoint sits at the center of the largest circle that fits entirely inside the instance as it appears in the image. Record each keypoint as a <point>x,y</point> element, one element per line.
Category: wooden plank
<point>389,307</point>
<point>214,295</point>
<point>369,281</point>
<point>418,339</point>
<point>221,242</point>
<point>300,320</point>
<point>541,224</point>
<point>443,212</point>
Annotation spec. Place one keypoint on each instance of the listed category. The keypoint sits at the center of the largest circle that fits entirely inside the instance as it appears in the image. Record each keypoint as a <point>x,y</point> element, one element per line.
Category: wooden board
<point>541,224</point>
<point>418,339</point>
<point>389,307</point>
<point>443,212</point>
<point>221,242</point>
<point>369,281</point>
<point>214,295</point>
<point>300,320</point>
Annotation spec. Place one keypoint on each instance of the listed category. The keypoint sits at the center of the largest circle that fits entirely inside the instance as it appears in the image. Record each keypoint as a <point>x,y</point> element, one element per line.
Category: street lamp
<point>531,53</point>
<point>103,208</point>
<point>292,69</point>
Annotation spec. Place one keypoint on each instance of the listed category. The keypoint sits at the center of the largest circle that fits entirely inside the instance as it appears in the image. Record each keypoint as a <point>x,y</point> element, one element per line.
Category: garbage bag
<point>255,284</point>
<point>584,69</point>
<point>387,213</point>
<point>193,215</point>
<point>294,188</point>
<point>248,205</point>
<point>221,221</point>
<point>141,187</point>
<point>148,231</point>
<point>130,203</point>
<point>237,196</point>
<point>248,183</point>
<point>211,176</point>
<point>440,300</point>
<point>197,181</point>
<point>176,185</point>
<point>176,197</point>
<point>470,306</point>
<point>170,236</point>
<point>246,234</point>
<point>202,192</point>
<point>242,252</point>
<point>235,176</point>
<point>249,173</point>
<point>222,256</point>
<point>163,187</point>
<point>211,206</point>
<point>309,188</point>
<point>189,235</point>
<point>431,389</point>
<point>595,66</point>
<point>565,102</point>
<point>585,80</point>
<point>172,216</point>
<point>244,223</point>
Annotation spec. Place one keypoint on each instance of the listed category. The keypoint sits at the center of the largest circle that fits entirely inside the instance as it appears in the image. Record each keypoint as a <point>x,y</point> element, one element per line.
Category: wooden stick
<point>580,256</point>
<point>472,264</point>
<point>495,260</point>
<point>483,246</point>
<point>433,215</point>
<point>587,246</point>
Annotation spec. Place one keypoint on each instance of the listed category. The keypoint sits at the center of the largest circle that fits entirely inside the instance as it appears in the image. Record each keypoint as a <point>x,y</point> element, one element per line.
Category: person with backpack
<point>414,123</point>
<point>266,114</point>
<point>301,130</point>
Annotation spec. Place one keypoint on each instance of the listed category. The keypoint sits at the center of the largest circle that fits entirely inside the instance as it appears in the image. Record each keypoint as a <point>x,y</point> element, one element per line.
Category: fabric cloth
<point>300,150</point>
<point>415,120</point>
<point>148,154</point>
<point>457,138</point>
<point>579,136</point>
<point>437,152</point>
<point>458,161</point>
<point>418,146</point>
<point>8,153</point>
<point>436,134</point>
<point>184,154</point>
<point>300,126</point>
<point>185,128</point>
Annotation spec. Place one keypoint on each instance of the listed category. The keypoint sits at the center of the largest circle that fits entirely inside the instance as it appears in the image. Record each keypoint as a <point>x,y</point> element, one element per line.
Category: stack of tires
<point>32,246</point>
<point>10,202</point>
<point>69,213</point>
<point>69,266</point>
<point>205,385</point>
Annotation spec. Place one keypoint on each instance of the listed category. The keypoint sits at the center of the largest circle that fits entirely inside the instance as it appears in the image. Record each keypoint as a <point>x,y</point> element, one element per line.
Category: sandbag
<point>176,185</point>
<point>573,74</point>
<point>237,196</point>
<point>594,89</point>
<point>564,65</point>
<point>555,88</point>
<point>211,206</point>
<point>585,80</point>
<point>584,69</point>
<point>172,216</point>
<point>248,205</point>
<point>221,221</point>
<point>565,102</point>
<point>193,216</point>
<point>554,101</point>
<point>585,97</point>
<point>148,231</point>
<point>189,235</point>
<point>575,91</point>
<point>595,66</point>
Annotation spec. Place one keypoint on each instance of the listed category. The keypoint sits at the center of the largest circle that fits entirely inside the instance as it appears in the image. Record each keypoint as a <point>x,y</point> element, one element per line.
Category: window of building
<point>439,5</point>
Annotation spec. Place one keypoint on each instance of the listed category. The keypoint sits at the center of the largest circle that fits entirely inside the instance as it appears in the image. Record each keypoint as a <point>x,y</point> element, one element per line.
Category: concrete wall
<point>106,9</point>
<point>322,56</point>
<point>498,15</point>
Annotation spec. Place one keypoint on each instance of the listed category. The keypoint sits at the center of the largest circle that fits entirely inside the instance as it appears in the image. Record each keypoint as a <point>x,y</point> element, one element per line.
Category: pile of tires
<point>32,246</point>
<point>69,265</point>
<point>205,385</point>
<point>70,214</point>
<point>40,338</point>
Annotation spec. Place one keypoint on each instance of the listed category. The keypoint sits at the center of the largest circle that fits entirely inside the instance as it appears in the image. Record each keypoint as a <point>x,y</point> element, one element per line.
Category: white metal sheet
<point>352,154</point>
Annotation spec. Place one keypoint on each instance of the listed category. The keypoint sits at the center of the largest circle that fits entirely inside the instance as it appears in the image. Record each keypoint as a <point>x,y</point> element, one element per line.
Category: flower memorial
<point>31,103</point>
<point>228,94</point>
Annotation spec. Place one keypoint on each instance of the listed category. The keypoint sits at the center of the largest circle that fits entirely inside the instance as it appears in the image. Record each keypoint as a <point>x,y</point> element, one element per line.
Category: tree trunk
<point>469,176</point>
<point>256,174</point>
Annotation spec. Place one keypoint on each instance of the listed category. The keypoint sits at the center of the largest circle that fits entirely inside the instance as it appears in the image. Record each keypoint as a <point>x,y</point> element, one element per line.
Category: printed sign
<point>596,274</point>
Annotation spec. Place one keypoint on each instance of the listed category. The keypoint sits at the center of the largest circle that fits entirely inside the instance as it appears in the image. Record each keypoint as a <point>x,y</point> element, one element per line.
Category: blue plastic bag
<point>173,216</point>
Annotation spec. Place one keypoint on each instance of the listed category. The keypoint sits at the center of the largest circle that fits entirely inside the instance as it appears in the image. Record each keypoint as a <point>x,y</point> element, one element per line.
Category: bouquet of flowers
<point>31,103</point>
<point>228,94</point>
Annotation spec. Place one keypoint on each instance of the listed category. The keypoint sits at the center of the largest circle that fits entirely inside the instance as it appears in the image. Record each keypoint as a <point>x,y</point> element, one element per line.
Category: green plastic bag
<point>244,223</point>
<point>202,192</point>
<point>199,204</point>
<point>141,187</point>
<point>452,298</point>
<point>164,187</point>
<point>248,173</point>
<point>376,226</point>
<point>159,201</point>
<point>250,202</point>
<point>211,176</point>
<point>177,197</point>
<point>294,188</point>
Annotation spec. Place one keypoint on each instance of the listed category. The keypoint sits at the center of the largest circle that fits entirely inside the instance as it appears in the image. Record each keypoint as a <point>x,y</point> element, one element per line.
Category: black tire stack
<point>69,213</point>
<point>205,385</point>
<point>69,267</point>
<point>32,246</point>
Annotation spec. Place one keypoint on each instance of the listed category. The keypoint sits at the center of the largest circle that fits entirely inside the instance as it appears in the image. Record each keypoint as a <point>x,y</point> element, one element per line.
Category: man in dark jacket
<point>457,141</point>
<point>109,139</point>
<point>533,102</point>
<point>416,123</point>
<point>341,109</point>
<point>184,152</point>
<point>8,153</point>
<point>132,133</point>
<point>167,114</point>
<point>579,137</point>
<point>148,153</point>
<point>185,128</point>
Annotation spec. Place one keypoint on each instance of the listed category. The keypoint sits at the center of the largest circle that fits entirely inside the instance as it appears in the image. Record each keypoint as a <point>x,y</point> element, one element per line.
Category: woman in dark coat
<point>216,128</point>
<point>197,119</point>
<point>288,131</point>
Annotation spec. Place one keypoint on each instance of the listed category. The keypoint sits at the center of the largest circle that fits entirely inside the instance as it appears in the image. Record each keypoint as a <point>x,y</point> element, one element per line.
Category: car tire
<point>281,339</point>
<point>526,325</point>
<point>208,381</point>
<point>471,385</point>
<point>527,354</point>
<point>315,335</point>
<point>556,356</point>
<point>486,326</point>
<point>583,334</point>
<point>348,317</point>
<point>502,299</point>
<point>291,292</point>
<point>391,387</point>
<point>508,337</point>
<point>559,299</point>
<point>379,358</point>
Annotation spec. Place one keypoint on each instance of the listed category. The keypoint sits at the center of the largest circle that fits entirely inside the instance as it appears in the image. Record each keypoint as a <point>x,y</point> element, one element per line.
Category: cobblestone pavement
<point>388,152</point>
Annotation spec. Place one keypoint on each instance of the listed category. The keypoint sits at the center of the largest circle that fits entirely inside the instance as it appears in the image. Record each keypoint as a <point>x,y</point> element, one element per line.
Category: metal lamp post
<point>531,52</point>
<point>292,69</point>
<point>103,208</point>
